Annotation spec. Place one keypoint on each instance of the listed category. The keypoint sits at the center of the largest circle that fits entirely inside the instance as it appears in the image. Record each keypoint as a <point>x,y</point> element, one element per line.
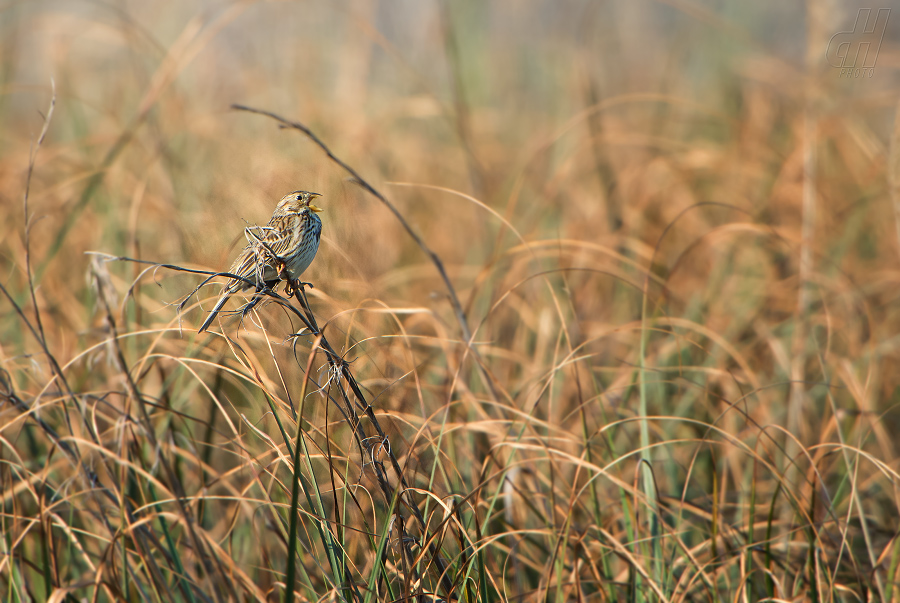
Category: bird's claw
<point>295,287</point>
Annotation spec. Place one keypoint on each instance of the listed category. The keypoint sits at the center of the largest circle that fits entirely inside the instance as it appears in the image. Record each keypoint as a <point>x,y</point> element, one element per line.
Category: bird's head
<point>296,202</point>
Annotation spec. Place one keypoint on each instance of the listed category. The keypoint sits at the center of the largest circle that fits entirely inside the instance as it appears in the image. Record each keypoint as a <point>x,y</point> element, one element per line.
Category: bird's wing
<point>256,262</point>
<point>277,236</point>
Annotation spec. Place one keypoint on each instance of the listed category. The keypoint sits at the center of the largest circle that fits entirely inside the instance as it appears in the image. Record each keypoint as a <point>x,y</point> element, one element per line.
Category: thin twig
<point>31,161</point>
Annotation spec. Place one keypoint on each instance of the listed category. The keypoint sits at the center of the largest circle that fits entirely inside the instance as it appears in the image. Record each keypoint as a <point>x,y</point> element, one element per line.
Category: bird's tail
<point>224,298</point>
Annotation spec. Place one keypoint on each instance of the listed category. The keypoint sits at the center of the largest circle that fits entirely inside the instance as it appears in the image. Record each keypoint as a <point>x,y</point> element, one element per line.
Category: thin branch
<point>31,161</point>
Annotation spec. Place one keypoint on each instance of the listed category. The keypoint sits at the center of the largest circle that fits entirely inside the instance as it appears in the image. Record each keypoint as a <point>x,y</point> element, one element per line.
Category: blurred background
<point>579,111</point>
<point>673,227</point>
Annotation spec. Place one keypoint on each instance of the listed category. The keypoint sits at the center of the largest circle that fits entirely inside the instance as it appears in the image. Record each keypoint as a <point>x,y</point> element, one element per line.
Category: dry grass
<point>674,254</point>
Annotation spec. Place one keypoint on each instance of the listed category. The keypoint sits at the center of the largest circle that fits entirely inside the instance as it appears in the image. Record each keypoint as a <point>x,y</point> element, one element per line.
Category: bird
<point>281,250</point>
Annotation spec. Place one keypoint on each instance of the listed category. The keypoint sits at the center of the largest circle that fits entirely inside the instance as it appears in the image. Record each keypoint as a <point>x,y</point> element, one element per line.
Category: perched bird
<point>280,250</point>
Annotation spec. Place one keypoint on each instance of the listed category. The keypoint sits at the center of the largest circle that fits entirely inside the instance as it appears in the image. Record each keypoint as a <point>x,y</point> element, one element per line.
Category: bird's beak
<point>314,208</point>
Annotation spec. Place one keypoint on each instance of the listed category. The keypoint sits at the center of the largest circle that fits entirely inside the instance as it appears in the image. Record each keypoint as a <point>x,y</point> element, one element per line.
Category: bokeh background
<point>673,228</point>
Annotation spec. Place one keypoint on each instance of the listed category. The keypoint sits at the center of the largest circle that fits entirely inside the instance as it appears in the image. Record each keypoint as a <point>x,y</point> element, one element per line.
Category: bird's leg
<point>282,270</point>
<point>283,275</point>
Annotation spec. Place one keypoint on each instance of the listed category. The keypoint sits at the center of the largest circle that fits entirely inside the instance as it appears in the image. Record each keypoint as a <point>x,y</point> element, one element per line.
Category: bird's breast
<point>304,245</point>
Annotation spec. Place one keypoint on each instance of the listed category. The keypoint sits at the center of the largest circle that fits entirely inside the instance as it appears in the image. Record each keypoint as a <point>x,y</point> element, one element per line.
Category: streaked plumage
<point>281,250</point>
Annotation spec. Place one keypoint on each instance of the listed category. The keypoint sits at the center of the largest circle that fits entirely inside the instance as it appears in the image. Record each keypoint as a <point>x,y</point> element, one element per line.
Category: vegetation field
<point>605,306</point>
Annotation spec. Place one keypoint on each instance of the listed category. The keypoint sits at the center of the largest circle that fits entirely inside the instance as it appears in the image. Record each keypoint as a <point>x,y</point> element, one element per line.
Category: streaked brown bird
<point>281,250</point>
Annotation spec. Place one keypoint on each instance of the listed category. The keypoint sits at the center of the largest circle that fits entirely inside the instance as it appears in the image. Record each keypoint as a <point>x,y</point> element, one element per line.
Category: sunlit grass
<point>679,286</point>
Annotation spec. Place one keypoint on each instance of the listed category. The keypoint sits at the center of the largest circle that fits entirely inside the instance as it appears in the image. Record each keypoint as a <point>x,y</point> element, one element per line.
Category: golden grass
<point>675,253</point>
